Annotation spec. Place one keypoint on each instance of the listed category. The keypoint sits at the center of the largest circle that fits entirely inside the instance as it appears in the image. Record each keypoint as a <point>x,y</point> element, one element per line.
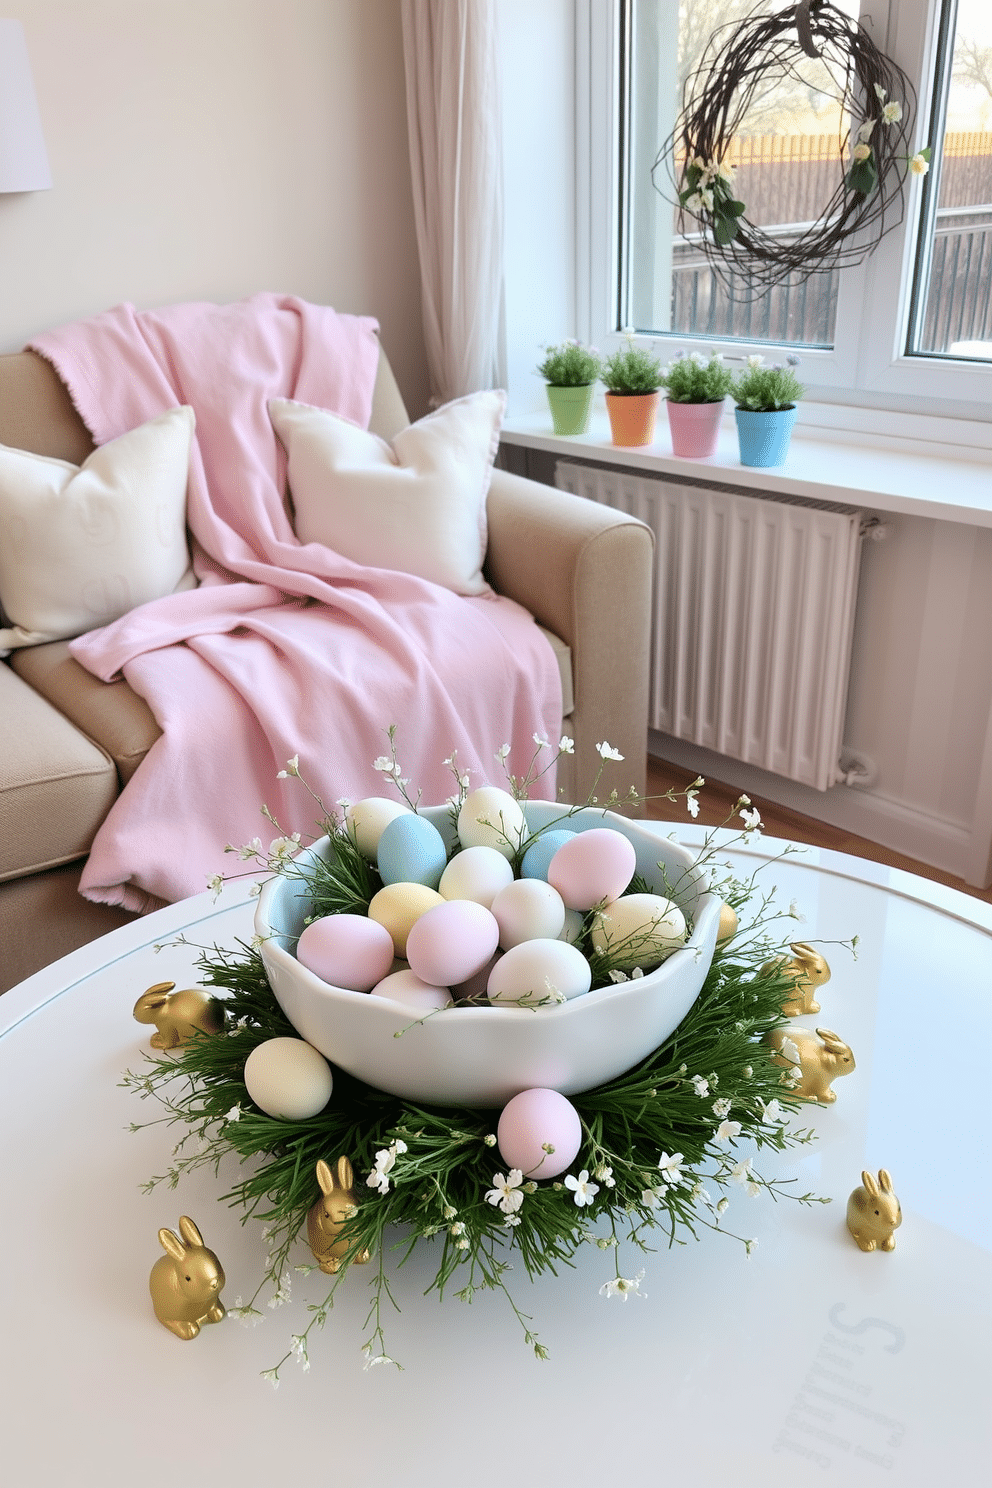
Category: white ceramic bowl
<point>482,1056</point>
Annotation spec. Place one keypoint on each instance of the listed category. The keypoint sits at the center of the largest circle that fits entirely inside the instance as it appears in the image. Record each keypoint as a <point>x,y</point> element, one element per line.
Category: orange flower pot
<point>632,417</point>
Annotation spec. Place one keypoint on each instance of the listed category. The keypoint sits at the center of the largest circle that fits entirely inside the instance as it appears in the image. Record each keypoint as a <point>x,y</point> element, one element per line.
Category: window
<point>911,328</point>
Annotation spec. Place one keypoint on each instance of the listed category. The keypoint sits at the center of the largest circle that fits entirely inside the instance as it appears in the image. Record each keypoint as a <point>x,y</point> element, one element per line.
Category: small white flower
<point>755,360</point>
<point>861,152</point>
<point>794,912</point>
<point>751,820</point>
<point>750,1247</point>
<point>540,741</point>
<point>754,1189</point>
<point>700,1086</point>
<point>692,805</point>
<point>607,752</point>
<point>292,768</point>
<point>892,112</point>
<point>721,1107</point>
<point>461,1244</point>
<point>282,850</point>
<point>866,130</point>
<point>618,976</point>
<point>726,1132</point>
<point>234,1114</point>
<point>701,1195</point>
<point>789,1050</point>
<point>511,1220</point>
<point>383,764</point>
<point>694,203</point>
<point>215,884</point>
<point>605,1175</point>
<point>651,1197</point>
<point>637,973</point>
<point>252,849</point>
<point>371,1360</point>
<point>254,890</point>
<point>449,1211</point>
<point>566,745</point>
<point>272,1375</point>
<point>506,1191</point>
<point>457,1228</point>
<point>489,1140</point>
<point>741,1172</point>
<point>623,1286</point>
<point>771,1113</point>
<point>583,1190</point>
<point>343,802</point>
<point>880,93</point>
<point>722,1206</point>
<point>919,165</point>
<point>698,358</point>
<point>706,197</point>
<point>385,1161</point>
<point>747,1072</point>
<point>502,752</point>
<point>670,1167</point>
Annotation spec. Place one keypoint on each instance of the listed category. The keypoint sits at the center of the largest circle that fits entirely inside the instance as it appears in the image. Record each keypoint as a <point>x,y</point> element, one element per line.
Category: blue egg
<point>534,863</point>
<point>411,850</point>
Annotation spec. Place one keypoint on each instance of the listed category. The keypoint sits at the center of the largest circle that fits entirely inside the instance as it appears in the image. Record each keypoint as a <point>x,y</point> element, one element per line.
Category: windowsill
<point>918,478</point>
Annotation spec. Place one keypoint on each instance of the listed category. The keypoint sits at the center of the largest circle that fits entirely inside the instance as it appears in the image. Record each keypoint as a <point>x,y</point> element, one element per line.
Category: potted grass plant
<point>632,377</point>
<point>766,399</point>
<point>571,372</point>
<point>695,388</point>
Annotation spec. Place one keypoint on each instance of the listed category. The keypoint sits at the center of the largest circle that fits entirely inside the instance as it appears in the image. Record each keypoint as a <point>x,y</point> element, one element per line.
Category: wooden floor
<point>717,801</point>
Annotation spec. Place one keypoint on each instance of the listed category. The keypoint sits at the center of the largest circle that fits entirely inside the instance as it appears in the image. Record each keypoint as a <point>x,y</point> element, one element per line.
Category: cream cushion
<point>81,545</point>
<point>417,505</point>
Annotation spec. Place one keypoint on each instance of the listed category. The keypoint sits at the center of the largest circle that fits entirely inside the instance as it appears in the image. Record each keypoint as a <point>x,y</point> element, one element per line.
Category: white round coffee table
<point>811,1359</point>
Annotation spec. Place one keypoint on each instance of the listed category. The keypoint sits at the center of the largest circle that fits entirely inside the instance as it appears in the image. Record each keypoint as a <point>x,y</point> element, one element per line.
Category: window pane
<point>953,312</point>
<point>787,159</point>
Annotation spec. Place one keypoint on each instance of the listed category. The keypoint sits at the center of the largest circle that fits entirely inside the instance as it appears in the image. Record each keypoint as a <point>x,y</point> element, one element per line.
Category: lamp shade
<point>23,158</point>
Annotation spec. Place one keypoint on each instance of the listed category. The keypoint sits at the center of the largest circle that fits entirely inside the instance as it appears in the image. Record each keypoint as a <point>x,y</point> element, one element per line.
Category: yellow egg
<point>399,906</point>
<point>638,930</point>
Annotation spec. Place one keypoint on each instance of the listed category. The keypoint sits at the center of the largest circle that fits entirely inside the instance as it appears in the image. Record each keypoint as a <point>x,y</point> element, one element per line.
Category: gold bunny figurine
<point>807,970</point>
<point>329,1215</point>
<point>823,1057</point>
<point>178,1015</point>
<point>185,1283</point>
<point>874,1213</point>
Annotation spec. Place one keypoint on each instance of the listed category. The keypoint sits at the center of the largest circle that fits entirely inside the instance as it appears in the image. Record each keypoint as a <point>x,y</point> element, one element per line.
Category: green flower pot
<point>570,407</point>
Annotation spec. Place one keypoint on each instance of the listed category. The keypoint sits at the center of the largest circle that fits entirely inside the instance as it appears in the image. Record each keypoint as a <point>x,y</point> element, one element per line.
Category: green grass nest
<point>710,1095</point>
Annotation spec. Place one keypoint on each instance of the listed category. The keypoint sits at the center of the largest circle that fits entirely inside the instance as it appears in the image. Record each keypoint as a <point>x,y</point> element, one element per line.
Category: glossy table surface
<point>810,1360</point>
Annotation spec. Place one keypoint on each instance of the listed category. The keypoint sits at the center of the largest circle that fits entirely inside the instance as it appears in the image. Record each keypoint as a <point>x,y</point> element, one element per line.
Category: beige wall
<point>207,149</point>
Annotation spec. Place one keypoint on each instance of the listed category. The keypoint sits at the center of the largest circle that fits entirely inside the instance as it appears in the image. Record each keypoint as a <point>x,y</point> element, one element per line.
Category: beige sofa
<point>69,743</point>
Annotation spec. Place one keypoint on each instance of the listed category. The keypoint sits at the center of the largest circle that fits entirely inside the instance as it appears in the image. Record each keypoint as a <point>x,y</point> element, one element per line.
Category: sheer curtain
<point>456,160</point>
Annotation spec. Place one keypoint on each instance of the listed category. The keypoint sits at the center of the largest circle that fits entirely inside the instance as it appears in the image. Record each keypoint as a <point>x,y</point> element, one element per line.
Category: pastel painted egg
<point>366,821</point>
<point>451,942</point>
<point>490,817</point>
<point>476,873</point>
<point>287,1078</point>
<point>399,906</point>
<point>406,987</point>
<point>346,950</point>
<point>411,850</point>
<point>533,1121</point>
<point>538,972</point>
<point>638,930</point>
<point>474,989</point>
<point>573,926</point>
<point>528,909</point>
<point>595,866</point>
<point>537,858</point>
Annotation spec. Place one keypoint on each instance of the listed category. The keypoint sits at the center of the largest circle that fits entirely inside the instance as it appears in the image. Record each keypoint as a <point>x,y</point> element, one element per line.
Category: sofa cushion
<point>417,505</point>
<point>84,544</point>
<point>56,786</point>
<point>109,713</point>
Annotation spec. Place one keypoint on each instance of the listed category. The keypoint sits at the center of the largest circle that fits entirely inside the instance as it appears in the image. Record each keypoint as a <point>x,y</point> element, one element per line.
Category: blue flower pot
<point>764,437</point>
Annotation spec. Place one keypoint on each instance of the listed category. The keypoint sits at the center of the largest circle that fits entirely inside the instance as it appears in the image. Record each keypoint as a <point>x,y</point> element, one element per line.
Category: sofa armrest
<point>584,571</point>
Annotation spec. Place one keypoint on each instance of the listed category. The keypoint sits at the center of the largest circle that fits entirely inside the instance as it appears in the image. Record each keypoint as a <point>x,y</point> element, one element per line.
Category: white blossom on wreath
<point>506,1192</point>
<point>583,1189</point>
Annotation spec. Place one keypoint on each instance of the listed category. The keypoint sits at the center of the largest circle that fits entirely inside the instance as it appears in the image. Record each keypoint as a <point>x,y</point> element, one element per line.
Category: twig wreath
<point>745,60</point>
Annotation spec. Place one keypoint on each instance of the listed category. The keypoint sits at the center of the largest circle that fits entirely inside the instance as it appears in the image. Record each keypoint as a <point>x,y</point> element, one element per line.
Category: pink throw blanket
<point>283,650</point>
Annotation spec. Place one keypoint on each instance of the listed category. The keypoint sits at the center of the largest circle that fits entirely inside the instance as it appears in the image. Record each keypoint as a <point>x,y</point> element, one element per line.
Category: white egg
<point>367,820</point>
<point>638,930</point>
<point>476,873</point>
<point>572,929</point>
<point>287,1078</point>
<point>539,972</point>
<point>528,909</point>
<point>490,817</point>
<point>419,996</point>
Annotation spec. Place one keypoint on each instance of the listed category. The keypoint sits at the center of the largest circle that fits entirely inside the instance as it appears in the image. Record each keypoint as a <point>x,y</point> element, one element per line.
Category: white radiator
<point>753,618</point>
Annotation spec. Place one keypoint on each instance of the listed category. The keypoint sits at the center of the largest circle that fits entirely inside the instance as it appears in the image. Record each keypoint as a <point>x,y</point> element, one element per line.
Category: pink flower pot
<point>695,428</point>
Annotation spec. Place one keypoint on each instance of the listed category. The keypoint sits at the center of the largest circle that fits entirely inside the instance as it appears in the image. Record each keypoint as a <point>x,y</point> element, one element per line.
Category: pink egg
<point>406,987</point>
<point>474,990</point>
<point>451,942</point>
<point>592,867</point>
<point>533,1119</point>
<point>346,950</point>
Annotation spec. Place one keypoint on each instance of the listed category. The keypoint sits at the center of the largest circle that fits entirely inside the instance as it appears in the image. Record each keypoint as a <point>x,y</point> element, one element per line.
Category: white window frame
<point>867,368</point>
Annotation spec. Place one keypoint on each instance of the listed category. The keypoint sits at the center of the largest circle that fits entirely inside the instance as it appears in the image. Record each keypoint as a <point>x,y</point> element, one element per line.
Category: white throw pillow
<point>417,506</point>
<point>81,545</point>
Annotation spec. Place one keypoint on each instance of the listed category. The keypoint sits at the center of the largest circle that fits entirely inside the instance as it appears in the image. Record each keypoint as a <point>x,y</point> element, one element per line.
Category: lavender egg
<point>530,1123</point>
<point>452,942</point>
<point>346,950</point>
<point>595,866</point>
